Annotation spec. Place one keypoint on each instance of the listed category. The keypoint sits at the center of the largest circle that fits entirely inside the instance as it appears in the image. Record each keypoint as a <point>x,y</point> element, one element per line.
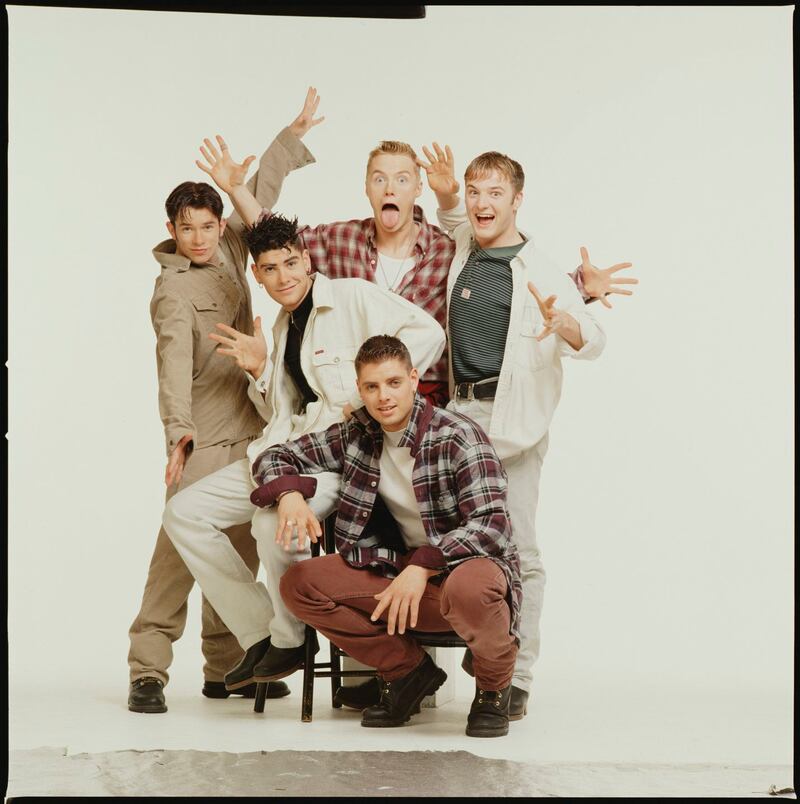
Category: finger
<point>544,333</point>
<point>247,162</point>
<point>391,618</point>
<point>178,473</point>
<point>234,333</point>
<point>449,155</point>
<point>317,121</point>
<point>222,144</point>
<point>585,258</point>
<point>532,289</point>
<point>301,536</point>
<point>619,266</point>
<point>624,280</point>
<point>205,153</point>
<point>439,152</point>
<point>549,302</point>
<point>309,97</point>
<point>428,154</point>
<point>257,325</point>
<point>202,166</point>
<point>426,166</point>
<point>212,148</point>
<point>605,302</point>
<point>215,336</point>
<point>381,607</point>
<point>414,613</point>
<point>621,292</point>
<point>402,616</point>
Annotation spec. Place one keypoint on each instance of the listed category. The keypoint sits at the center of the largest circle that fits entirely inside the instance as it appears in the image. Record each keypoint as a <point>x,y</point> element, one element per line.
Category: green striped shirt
<point>480,308</point>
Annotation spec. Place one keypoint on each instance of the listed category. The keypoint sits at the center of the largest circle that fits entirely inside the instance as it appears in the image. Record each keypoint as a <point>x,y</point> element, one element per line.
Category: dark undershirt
<point>291,359</point>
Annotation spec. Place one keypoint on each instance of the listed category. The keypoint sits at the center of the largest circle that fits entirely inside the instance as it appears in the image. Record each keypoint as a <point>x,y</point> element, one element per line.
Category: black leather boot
<point>519,697</point>
<point>216,689</point>
<point>242,674</point>
<point>488,715</point>
<point>400,698</point>
<point>146,695</point>
<point>360,696</point>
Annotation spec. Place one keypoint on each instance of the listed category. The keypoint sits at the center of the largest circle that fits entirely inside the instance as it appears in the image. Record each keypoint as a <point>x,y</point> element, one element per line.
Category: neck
<point>396,243</point>
<point>511,237</point>
<point>300,303</point>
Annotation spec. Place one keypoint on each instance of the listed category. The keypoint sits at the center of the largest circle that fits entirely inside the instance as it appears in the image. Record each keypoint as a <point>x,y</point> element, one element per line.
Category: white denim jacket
<point>345,313</point>
<point>530,378</point>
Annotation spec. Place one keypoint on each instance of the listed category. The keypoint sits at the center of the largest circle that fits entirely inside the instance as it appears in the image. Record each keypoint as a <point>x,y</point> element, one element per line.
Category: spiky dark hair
<point>274,232</point>
<point>380,348</point>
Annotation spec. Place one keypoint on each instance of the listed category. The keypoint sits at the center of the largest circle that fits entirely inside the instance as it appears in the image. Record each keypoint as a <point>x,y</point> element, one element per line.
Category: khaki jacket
<point>201,392</point>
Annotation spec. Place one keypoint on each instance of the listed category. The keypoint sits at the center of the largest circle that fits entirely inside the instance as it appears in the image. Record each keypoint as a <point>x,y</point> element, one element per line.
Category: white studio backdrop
<point>660,136</point>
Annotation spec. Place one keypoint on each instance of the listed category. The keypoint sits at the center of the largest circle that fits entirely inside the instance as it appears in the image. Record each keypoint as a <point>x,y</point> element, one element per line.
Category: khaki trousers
<point>162,616</point>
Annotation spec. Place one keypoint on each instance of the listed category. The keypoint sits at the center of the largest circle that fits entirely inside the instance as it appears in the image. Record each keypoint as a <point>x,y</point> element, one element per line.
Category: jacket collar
<point>421,415</point>
<point>167,257</point>
<point>525,252</point>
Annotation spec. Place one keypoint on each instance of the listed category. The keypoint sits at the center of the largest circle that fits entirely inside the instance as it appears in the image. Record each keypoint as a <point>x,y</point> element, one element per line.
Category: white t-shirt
<point>389,271</point>
<point>397,492</point>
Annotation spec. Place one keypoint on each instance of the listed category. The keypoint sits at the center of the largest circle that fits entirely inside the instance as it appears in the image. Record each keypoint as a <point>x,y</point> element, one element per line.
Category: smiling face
<point>285,275</point>
<point>388,389</point>
<point>393,184</point>
<point>492,207</point>
<point>197,233</point>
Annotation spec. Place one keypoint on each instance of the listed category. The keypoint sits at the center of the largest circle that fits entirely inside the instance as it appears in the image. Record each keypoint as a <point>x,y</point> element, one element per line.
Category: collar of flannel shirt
<point>421,415</point>
<point>425,232</point>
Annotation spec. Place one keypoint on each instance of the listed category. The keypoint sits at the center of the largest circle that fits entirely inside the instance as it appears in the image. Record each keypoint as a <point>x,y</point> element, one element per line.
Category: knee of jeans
<point>294,586</point>
<point>174,512</point>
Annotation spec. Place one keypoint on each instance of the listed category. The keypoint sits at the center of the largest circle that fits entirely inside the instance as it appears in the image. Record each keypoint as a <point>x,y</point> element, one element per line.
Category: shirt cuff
<point>429,557</point>
<point>266,495</point>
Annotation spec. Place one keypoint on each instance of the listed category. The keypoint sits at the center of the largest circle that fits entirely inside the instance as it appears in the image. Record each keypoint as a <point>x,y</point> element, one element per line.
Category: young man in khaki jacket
<point>203,401</point>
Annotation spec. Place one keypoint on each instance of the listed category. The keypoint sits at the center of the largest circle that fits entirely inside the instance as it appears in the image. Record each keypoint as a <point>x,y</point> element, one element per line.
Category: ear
<point>414,374</point>
<point>171,230</point>
<point>306,260</point>
<point>255,274</point>
<point>418,191</point>
<point>223,222</point>
<point>517,201</point>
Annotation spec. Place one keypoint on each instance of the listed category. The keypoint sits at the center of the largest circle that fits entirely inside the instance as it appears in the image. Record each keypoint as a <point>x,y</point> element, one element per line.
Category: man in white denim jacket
<point>309,383</point>
<point>506,338</point>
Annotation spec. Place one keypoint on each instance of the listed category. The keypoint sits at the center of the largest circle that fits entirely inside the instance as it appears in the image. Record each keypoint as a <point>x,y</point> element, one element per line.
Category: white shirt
<point>397,492</point>
<point>389,271</point>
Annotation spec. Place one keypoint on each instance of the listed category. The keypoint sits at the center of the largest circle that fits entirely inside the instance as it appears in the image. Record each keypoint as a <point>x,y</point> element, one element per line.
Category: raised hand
<point>440,169</point>
<point>597,282</point>
<point>305,121</point>
<point>555,320</point>
<point>249,351</point>
<point>226,173</point>
<point>294,514</point>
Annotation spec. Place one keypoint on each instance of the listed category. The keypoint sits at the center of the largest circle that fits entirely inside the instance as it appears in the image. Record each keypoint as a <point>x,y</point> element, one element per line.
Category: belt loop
<point>470,391</point>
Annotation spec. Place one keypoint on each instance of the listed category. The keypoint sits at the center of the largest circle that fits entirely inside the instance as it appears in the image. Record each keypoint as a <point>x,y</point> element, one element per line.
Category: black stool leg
<point>261,696</point>
<point>308,677</point>
<point>336,679</point>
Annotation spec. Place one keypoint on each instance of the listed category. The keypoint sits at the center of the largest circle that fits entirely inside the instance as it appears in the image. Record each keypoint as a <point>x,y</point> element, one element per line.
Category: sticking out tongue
<point>390,216</point>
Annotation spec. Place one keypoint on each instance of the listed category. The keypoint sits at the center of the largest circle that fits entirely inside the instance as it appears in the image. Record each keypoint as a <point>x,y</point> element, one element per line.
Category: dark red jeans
<point>337,600</point>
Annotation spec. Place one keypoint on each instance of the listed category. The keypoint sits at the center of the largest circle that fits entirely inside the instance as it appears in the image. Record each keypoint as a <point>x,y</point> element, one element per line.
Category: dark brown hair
<point>380,348</point>
<point>194,195</point>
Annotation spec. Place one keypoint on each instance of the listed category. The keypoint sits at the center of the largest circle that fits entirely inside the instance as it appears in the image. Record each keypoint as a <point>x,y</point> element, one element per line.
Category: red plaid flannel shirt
<point>347,249</point>
<point>458,481</point>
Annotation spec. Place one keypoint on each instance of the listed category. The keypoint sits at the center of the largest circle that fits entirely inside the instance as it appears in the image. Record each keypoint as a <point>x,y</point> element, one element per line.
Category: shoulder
<point>448,425</point>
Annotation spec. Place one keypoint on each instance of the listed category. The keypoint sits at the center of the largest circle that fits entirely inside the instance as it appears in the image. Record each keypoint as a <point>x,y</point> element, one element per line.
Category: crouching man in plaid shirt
<point>450,565</point>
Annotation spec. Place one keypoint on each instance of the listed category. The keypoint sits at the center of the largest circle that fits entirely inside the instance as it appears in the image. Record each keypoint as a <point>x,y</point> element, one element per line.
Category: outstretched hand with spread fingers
<point>599,282</point>
<point>305,121</point>
<point>249,351</point>
<point>440,169</point>
<point>221,166</point>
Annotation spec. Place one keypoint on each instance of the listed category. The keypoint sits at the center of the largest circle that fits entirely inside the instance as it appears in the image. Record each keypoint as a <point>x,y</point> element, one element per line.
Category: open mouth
<point>484,220</point>
<point>390,215</point>
<point>386,410</point>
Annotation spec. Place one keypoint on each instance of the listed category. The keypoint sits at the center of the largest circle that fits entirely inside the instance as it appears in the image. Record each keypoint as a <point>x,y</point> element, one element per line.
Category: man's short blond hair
<point>504,165</point>
<point>394,148</point>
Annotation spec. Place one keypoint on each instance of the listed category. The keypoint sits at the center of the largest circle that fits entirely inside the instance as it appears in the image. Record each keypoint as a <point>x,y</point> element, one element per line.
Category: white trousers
<point>523,470</point>
<point>194,520</point>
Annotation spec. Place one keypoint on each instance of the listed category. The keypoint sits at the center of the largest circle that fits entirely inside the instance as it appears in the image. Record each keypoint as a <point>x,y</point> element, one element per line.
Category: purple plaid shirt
<point>458,480</point>
<point>347,249</point>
